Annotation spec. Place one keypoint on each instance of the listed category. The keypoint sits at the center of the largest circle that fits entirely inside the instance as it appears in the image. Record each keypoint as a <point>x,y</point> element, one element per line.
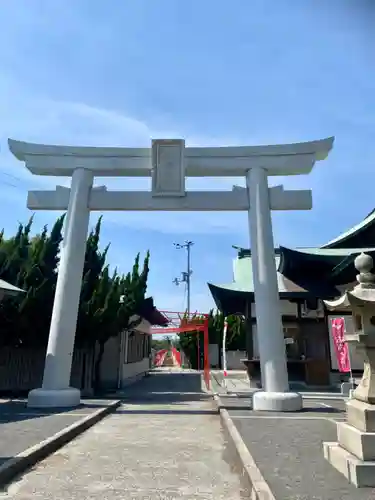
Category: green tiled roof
<point>244,283</point>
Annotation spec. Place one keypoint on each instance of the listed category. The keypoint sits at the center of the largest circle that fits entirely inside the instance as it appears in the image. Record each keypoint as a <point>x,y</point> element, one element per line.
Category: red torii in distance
<point>188,322</point>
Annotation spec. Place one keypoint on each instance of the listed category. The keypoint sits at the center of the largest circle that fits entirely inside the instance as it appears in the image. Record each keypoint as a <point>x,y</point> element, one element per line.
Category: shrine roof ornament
<point>231,161</point>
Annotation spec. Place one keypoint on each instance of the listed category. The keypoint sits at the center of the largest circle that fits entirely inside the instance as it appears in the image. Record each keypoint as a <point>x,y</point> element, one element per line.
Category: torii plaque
<point>168,162</point>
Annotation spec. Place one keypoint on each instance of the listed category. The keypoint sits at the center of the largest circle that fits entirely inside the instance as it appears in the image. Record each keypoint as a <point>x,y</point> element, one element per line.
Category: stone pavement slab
<point>22,427</point>
<point>288,451</point>
<point>143,451</point>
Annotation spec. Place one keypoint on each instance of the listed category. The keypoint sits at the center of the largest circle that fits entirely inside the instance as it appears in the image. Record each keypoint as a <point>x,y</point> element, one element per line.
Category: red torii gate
<point>183,322</point>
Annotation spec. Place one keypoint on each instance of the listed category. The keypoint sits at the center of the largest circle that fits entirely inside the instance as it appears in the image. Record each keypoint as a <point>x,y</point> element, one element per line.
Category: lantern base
<point>354,452</point>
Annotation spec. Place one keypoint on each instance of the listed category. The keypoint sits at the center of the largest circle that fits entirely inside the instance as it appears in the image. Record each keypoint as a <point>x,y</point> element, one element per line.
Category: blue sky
<point>214,72</point>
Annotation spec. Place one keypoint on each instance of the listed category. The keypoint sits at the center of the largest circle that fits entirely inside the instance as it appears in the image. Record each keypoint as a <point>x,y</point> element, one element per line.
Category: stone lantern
<point>354,452</point>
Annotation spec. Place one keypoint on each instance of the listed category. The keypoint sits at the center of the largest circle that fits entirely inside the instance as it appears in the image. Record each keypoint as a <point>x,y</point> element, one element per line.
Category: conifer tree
<point>32,264</point>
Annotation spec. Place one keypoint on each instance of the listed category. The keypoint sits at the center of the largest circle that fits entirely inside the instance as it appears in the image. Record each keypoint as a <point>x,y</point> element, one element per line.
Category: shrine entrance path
<point>164,442</point>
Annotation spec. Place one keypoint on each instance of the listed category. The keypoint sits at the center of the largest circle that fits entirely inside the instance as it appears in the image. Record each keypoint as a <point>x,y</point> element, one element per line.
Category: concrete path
<point>167,443</point>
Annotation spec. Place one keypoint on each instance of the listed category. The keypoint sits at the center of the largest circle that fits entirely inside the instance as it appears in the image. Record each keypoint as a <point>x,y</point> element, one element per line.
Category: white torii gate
<point>168,162</point>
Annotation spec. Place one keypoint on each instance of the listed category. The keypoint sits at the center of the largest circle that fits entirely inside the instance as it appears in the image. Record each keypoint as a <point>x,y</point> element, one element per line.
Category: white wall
<point>131,371</point>
<point>110,375</point>
<point>234,360</point>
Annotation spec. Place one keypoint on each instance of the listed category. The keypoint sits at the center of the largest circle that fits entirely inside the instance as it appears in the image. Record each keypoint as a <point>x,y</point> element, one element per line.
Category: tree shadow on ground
<point>16,411</point>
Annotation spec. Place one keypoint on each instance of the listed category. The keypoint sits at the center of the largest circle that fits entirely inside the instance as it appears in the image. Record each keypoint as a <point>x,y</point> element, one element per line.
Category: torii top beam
<point>279,160</point>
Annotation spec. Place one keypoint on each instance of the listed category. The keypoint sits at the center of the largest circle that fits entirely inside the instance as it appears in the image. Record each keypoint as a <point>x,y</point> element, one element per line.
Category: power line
<point>10,175</point>
<point>9,184</point>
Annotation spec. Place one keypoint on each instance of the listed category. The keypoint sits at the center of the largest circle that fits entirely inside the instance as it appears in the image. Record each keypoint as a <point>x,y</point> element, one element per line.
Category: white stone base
<point>277,401</point>
<point>358,472</point>
<point>54,398</point>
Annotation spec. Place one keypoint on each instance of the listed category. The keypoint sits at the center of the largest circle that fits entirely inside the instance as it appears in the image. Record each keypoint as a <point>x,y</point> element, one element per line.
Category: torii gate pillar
<point>56,390</point>
<point>275,395</point>
<point>168,162</point>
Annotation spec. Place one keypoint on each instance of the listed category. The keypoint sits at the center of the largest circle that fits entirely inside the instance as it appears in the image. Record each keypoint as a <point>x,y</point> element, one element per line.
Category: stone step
<point>358,472</point>
<point>359,443</point>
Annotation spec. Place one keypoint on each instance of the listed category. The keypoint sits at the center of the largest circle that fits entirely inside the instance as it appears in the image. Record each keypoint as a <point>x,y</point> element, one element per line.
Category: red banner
<point>160,357</point>
<point>341,347</point>
<point>177,355</point>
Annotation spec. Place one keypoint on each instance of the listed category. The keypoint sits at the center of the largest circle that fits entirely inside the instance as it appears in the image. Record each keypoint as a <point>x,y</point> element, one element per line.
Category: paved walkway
<point>22,427</point>
<point>165,443</point>
<point>288,449</point>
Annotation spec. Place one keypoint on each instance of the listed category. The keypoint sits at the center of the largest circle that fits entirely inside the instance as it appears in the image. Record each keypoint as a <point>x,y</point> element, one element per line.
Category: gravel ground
<point>22,427</point>
<point>289,453</point>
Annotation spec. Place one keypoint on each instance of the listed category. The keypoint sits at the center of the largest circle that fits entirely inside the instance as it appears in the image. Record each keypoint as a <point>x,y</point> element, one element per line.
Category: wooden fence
<point>22,369</point>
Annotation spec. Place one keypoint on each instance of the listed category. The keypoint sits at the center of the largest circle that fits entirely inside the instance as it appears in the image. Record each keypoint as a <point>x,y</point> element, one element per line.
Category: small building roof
<point>302,272</point>
<point>9,289</point>
<point>150,313</point>
<point>233,297</point>
<point>310,266</point>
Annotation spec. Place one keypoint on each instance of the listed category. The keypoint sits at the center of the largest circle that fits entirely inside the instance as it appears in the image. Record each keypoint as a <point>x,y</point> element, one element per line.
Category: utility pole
<point>185,275</point>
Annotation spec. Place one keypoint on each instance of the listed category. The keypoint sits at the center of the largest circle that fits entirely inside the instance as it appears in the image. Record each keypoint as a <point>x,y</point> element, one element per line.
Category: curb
<point>28,458</point>
<point>218,382</point>
<point>256,484</point>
